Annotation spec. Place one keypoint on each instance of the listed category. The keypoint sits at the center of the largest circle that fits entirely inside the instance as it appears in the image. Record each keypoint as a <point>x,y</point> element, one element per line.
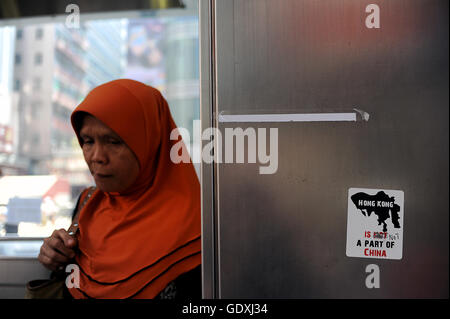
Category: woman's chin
<point>106,188</point>
<point>109,188</point>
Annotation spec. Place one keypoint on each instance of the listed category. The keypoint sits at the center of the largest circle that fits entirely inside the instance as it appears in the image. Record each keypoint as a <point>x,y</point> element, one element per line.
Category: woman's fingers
<point>48,262</point>
<point>68,240</point>
<point>60,240</point>
<point>56,251</point>
<point>54,255</point>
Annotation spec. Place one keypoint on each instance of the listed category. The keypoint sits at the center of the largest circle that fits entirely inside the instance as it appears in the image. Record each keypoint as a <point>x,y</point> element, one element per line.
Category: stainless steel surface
<point>284,235</point>
<point>207,170</point>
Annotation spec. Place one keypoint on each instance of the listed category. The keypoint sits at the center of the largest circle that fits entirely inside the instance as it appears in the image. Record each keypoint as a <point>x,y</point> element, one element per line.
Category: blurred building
<point>163,52</point>
<point>182,70</point>
<point>86,58</point>
<point>107,51</point>
<point>36,199</point>
<point>54,69</point>
<point>7,151</point>
<point>32,84</point>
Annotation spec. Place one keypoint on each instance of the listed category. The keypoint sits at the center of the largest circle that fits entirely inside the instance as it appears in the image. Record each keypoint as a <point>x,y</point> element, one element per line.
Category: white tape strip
<point>306,117</point>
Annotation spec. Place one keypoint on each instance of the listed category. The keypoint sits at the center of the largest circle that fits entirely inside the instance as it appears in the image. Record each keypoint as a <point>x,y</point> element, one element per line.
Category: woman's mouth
<point>102,176</point>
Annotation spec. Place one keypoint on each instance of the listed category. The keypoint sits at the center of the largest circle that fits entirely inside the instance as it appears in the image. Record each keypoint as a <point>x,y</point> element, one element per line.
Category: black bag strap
<point>73,229</point>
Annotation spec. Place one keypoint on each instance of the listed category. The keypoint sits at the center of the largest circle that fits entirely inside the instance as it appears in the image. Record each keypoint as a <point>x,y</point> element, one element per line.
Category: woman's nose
<point>99,154</point>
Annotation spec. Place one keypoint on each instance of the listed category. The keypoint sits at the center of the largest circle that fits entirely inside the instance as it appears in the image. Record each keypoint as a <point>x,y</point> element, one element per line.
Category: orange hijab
<point>132,244</point>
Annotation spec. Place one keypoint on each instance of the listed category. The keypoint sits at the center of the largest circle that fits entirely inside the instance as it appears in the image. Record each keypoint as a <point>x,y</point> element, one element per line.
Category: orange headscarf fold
<point>132,244</point>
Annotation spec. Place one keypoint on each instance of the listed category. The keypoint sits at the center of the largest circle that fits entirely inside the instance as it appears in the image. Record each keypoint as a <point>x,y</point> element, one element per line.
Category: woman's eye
<point>88,142</point>
<point>114,142</point>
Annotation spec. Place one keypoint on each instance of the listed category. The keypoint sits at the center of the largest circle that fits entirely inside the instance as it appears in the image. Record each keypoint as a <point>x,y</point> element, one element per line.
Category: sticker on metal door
<point>375,223</point>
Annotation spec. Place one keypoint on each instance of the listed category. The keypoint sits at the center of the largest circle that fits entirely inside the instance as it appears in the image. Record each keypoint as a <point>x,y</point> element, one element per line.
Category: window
<point>46,159</point>
<point>37,83</point>
<point>38,59</point>
<point>17,85</point>
<point>39,33</point>
<point>36,108</point>
<point>36,139</point>
<point>19,34</point>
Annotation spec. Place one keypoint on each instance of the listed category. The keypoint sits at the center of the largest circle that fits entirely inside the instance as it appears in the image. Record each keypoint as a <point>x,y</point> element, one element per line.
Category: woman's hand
<point>58,250</point>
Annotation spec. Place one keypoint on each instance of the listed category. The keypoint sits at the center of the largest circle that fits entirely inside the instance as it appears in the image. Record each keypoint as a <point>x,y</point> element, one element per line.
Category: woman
<point>139,232</point>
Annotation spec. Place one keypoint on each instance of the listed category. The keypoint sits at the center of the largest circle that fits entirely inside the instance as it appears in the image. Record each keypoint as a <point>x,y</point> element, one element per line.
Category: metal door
<point>283,235</point>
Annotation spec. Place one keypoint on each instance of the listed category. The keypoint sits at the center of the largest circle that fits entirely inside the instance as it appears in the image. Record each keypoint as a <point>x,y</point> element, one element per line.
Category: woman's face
<point>112,163</point>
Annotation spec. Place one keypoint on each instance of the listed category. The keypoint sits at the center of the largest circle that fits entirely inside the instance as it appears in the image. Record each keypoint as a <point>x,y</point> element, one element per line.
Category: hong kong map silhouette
<point>380,204</point>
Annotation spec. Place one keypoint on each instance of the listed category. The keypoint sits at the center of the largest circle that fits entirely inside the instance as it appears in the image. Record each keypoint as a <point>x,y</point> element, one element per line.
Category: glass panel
<point>20,248</point>
<point>42,170</point>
